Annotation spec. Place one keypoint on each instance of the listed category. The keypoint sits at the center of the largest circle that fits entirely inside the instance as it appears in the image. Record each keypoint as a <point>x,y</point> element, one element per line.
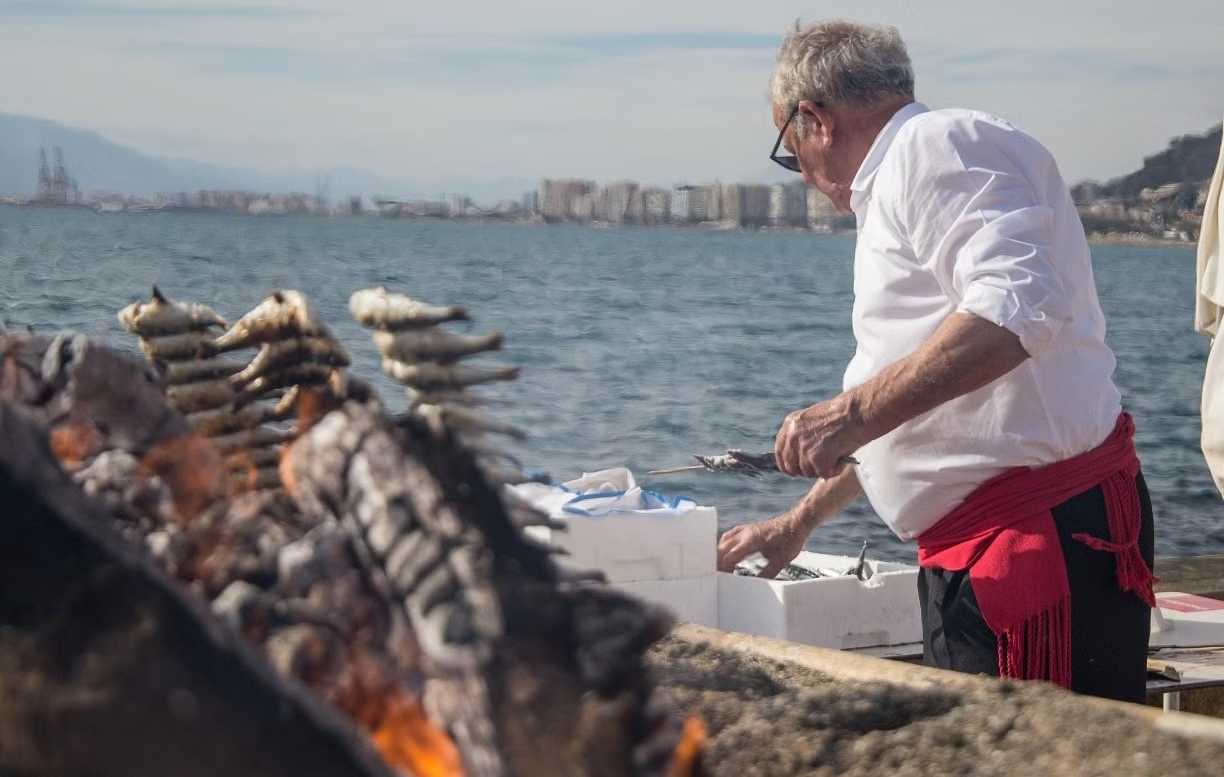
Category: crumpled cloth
<point>1208,315</point>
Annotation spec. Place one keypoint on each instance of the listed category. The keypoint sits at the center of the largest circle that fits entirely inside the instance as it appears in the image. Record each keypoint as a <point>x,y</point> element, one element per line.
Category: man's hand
<point>812,442</point>
<point>778,539</point>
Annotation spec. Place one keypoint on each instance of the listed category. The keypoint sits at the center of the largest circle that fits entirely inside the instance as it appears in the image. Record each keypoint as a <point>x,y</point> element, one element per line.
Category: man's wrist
<point>854,417</point>
<point>802,519</point>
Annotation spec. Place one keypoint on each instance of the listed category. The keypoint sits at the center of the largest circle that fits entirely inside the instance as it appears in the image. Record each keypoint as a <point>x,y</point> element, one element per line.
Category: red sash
<point>1004,534</point>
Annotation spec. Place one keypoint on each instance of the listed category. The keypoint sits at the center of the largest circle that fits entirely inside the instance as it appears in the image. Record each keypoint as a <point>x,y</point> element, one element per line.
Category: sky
<point>453,95</point>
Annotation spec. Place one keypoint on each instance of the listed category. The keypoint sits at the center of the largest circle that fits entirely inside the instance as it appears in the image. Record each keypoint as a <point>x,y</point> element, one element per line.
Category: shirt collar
<point>860,187</point>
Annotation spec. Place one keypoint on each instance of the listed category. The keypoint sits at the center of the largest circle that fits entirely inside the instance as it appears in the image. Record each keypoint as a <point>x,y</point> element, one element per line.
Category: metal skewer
<point>734,460</point>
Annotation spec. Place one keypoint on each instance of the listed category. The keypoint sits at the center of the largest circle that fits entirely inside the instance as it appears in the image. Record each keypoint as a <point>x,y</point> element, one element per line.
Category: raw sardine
<point>281,315</point>
<point>438,345</point>
<point>161,316</point>
<point>380,309</point>
<point>435,377</point>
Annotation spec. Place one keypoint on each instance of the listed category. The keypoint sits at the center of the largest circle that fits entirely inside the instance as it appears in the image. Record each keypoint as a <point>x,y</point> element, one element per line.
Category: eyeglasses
<point>789,161</point>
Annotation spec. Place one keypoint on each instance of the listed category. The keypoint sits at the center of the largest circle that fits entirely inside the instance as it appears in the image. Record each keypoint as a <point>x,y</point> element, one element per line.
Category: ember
<point>389,577</point>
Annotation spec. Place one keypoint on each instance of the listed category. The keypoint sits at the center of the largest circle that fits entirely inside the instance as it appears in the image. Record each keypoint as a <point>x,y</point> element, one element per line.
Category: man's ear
<point>818,120</point>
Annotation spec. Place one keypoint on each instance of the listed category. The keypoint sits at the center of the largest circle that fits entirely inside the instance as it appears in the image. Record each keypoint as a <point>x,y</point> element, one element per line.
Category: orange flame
<point>692,741</point>
<point>409,742</point>
<point>192,469</point>
<point>312,405</point>
<point>73,442</point>
<point>398,726</point>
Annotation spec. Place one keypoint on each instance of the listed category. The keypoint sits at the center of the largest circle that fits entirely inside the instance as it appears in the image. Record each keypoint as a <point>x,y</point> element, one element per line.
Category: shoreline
<point>1096,238</point>
<point>1136,239</point>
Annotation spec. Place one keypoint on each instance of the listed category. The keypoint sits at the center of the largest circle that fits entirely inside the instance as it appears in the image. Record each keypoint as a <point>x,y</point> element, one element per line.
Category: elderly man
<point>979,403</point>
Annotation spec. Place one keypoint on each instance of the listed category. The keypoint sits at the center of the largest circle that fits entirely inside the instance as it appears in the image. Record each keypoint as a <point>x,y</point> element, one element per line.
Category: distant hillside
<point>101,165</point>
<point>1188,159</point>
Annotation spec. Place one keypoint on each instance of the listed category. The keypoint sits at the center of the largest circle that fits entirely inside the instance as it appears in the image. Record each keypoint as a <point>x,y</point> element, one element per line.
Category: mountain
<point>1189,159</point>
<point>99,164</point>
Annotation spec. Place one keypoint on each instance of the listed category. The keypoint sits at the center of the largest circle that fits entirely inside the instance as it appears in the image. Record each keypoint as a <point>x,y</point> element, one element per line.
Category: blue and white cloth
<point>598,494</point>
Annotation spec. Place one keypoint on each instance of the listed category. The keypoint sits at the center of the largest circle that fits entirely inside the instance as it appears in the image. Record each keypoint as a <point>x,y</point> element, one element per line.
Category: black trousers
<point>1109,627</point>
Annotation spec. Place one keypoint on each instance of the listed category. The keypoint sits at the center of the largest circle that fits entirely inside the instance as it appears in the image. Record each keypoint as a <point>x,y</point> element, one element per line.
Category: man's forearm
<point>826,499</point>
<point>964,354</point>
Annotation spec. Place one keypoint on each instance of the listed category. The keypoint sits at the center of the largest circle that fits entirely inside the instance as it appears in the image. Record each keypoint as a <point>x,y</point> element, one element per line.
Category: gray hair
<point>840,62</point>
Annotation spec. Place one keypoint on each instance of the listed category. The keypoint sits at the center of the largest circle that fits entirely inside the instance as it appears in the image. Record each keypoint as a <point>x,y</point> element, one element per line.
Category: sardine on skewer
<point>252,438</point>
<point>162,316</point>
<point>255,458</point>
<point>256,479</point>
<point>438,345</point>
<point>189,345</point>
<point>380,309</point>
<point>459,398</point>
<point>463,420</point>
<point>194,397</point>
<point>282,314</point>
<point>225,420</point>
<point>736,461</point>
<point>435,377</point>
<point>299,350</point>
<point>197,370</point>
<point>298,375</point>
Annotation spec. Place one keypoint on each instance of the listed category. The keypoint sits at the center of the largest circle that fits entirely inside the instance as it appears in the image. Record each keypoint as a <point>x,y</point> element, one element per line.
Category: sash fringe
<point>1038,648</point>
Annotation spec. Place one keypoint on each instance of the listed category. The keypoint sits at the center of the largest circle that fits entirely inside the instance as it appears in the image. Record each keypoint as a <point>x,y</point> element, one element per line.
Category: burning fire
<point>398,727</point>
<point>688,751</point>
<point>191,467</point>
<point>75,441</point>
<point>408,741</point>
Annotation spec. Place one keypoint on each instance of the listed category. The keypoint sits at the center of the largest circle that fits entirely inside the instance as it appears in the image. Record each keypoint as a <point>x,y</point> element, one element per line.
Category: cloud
<point>660,92</point>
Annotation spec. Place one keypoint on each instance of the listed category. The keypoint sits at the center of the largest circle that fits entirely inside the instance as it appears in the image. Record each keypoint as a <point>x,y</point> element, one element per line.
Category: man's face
<point>817,156</point>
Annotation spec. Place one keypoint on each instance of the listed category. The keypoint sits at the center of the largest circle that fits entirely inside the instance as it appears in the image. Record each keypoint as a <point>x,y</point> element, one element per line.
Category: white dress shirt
<point>958,211</point>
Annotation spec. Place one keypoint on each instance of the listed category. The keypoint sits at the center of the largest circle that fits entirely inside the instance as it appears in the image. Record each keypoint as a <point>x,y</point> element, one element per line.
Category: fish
<point>438,345</point>
<point>224,420</point>
<point>297,375</point>
<point>282,314</point>
<point>258,458</point>
<point>261,437</point>
<point>161,316</point>
<point>256,479</point>
<point>286,405</point>
<point>300,350</point>
<point>463,420</point>
<point>446,397</point>
<point>380,309</point>
<point>189,345</point>
<point>196,370</point>
<point>434,377</point>
<point>194,397</point>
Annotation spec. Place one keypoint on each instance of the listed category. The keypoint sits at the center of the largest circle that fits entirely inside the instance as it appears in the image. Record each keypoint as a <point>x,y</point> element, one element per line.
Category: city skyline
<point>450,98</point>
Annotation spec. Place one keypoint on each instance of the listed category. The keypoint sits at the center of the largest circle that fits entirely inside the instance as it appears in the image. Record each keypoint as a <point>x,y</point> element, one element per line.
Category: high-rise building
<point>821,214</point>
<point>531,202</point>
<point>788,204</point>
<point>682,202</point>
<point>612,205</point>
<point>656,206</point>
<point>566,199</point>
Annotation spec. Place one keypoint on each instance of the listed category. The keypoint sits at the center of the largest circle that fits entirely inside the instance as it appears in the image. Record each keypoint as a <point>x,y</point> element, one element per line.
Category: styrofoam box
<point>1187,620</point>
<point>834,612</point>
<point>631,546</point>
<point>693,600</point>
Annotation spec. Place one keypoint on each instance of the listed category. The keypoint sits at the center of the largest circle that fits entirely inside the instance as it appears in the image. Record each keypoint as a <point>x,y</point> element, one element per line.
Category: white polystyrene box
<point>834,612</point>
<point>692,600</point>
<point>629,547</point>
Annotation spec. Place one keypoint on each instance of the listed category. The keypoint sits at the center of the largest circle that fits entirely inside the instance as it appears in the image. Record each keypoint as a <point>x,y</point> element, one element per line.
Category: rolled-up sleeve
<point>987,240</point>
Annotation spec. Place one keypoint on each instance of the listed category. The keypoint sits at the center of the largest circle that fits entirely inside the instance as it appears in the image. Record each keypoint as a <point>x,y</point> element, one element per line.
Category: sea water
<point>638,346</point>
